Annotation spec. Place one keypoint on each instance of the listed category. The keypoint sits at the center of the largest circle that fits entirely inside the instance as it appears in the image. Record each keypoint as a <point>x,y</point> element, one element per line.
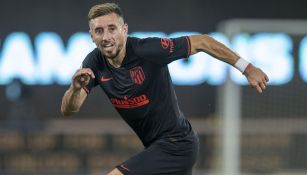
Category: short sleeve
<point>89,62</point>
<point>163,50</point>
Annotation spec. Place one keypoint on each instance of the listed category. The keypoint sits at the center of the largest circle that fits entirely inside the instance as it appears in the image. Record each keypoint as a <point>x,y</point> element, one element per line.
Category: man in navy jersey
<point>134,75</point>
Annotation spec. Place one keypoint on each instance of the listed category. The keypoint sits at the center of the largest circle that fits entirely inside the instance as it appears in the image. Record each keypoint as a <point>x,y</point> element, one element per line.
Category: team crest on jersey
<point>137,75</point>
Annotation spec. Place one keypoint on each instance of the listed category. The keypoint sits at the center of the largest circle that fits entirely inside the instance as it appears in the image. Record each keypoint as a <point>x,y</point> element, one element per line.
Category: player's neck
<point>117,61</point>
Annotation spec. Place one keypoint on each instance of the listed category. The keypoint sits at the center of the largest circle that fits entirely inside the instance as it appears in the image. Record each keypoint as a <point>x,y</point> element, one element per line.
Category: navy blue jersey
<point>141,89</point>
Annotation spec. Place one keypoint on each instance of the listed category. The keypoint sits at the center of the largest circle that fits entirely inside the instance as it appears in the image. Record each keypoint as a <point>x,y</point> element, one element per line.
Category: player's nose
<point>106,36</point>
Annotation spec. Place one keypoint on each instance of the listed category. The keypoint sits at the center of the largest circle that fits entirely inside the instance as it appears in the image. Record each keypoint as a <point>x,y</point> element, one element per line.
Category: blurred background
<point>43,42</point>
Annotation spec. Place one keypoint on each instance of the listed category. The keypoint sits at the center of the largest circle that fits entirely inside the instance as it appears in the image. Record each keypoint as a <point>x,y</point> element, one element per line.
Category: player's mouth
<point>108,46</point>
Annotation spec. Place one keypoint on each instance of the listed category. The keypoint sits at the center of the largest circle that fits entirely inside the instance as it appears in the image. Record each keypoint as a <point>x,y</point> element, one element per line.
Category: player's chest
<point>127,81</point>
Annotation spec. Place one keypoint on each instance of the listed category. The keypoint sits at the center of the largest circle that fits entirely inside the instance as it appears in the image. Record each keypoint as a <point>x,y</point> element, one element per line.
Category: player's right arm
<point>75,95</point>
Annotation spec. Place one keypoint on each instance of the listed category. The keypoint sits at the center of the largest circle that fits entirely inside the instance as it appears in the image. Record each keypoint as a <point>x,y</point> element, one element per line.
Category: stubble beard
<point>110,55</point>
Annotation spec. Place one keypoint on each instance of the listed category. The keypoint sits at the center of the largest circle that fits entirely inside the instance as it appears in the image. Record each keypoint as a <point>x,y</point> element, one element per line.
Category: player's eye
<point>112,29</point>
<point>99,31</point>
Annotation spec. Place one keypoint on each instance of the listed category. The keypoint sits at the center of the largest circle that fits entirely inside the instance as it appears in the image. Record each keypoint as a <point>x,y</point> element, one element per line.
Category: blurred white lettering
<point>303,59</point>
<point>51,62</point>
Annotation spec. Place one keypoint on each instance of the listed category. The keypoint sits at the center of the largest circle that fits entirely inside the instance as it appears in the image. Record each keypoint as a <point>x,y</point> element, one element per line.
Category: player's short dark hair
<point>104,9</point>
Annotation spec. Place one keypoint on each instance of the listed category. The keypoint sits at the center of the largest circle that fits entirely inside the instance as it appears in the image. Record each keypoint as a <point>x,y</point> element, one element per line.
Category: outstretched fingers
<point>262,85</point>
<point>266,78</point>
<point>259,89</point>
<point>257,79</point>
<point>258,86</point>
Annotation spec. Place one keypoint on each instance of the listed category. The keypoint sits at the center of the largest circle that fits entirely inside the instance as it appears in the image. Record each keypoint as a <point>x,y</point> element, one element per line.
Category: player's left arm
<point>204,43</point>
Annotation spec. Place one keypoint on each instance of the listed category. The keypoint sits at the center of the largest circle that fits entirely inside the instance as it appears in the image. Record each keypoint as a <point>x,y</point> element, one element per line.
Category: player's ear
<point>90,31</point>
<point>90,34</point>
<point>125,28</point>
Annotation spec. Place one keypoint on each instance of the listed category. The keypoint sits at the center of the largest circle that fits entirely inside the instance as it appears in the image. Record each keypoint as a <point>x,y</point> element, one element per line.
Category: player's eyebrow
<point>112,25</point>
<point>99,27</point>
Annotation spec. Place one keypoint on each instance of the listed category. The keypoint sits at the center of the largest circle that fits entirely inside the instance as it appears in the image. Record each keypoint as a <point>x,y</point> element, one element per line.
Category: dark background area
<point>68,16</point>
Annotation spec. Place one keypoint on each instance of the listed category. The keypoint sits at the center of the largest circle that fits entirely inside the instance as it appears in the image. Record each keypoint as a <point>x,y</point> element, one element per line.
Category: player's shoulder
<point>92,58</point>
<point>135,40</point>
<point>132,41</point>
<point>93,55</point>
<point>140,45</point>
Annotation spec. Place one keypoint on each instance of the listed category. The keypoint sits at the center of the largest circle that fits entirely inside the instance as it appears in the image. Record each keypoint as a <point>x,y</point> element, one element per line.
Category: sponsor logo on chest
<point>129,103</point>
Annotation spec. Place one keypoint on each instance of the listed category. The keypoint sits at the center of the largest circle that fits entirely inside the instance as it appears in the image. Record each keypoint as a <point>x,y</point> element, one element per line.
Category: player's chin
<point>110,55</point>
<point>107,53</point>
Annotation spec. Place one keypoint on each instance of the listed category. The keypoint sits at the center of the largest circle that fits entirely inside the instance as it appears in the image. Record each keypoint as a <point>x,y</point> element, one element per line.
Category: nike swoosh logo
<point>102,79</point>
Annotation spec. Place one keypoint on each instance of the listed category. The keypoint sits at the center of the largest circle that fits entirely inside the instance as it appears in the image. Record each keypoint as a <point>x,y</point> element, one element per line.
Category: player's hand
<point>256,78</point>
<point>81,78</point>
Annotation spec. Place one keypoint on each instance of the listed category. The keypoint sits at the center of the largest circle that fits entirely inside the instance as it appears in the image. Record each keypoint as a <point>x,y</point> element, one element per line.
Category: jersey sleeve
<point>163,50</point>
<point>89,62</point>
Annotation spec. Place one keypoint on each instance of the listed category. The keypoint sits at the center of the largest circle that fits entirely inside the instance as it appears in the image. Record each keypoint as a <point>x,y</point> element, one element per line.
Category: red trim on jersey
<point>86,90</point>
<point>125,168</point>
<point>189,46</point>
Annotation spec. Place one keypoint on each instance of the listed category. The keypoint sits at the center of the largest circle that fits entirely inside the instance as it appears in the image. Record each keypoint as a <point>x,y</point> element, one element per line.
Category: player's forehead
<point>105,21</point>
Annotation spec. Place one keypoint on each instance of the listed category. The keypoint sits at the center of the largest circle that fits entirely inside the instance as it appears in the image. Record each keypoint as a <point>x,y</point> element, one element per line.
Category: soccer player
<point>134,75</point>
